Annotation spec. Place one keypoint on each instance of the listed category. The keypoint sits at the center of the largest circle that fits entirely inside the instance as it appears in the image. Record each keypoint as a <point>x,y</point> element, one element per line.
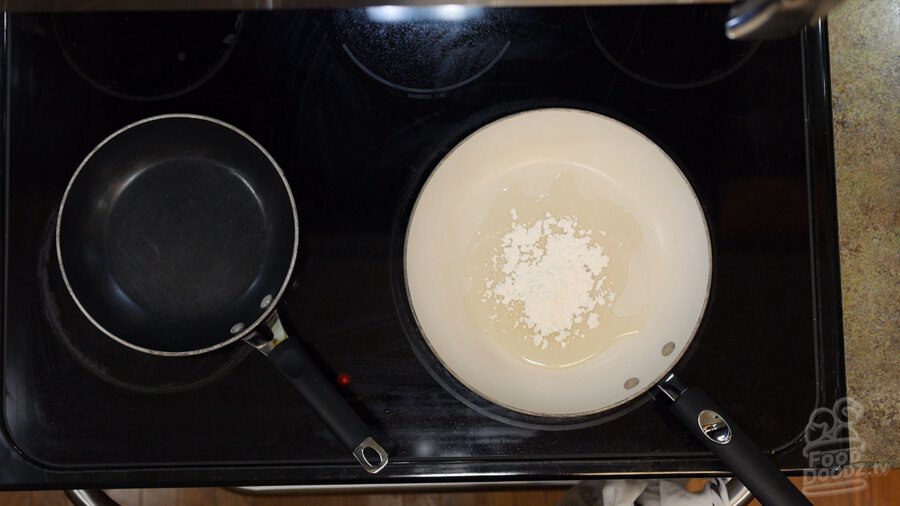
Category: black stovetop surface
<point>357,112</point>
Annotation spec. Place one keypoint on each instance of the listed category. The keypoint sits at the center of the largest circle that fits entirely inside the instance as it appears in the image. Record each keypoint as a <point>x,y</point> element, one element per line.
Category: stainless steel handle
<point>738,494</point>
<point>94,497</point>
<point>773,19</point>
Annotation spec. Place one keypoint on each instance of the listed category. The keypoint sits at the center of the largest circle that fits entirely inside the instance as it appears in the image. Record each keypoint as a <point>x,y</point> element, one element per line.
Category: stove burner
<point>670,46</point>
<point>147,56</point>
<point>72,334</point>
<point>423,49</point>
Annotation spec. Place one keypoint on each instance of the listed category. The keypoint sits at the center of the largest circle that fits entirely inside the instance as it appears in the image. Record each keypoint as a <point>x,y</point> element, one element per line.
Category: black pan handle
<point>721,435</point>
<point>298,368</point>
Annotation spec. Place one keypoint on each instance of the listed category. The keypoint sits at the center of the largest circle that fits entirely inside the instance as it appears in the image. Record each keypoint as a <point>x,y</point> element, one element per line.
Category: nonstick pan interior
<point>176,234</point>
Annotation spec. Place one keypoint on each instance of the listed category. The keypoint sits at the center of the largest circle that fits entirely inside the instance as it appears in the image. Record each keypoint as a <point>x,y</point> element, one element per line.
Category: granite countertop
<point>865,57</point>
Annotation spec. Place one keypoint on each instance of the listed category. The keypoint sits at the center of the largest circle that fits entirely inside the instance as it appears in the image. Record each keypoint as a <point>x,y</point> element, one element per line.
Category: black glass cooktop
<point>357,107</point>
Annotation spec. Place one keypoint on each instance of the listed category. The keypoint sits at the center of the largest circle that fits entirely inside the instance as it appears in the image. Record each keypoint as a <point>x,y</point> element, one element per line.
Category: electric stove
<point>358,106</point>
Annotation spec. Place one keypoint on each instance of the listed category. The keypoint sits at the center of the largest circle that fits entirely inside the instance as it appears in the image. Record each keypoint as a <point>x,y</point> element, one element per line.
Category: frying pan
<point>614,167</point>
<point>177,235</point>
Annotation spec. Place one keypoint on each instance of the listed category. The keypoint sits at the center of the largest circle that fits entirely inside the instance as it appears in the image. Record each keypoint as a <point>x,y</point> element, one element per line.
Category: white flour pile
<point>550,273</point>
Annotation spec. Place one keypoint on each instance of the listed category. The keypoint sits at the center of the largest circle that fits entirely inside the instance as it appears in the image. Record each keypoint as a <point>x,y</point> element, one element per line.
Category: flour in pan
<point>552,271</point>
<point>546,268</point>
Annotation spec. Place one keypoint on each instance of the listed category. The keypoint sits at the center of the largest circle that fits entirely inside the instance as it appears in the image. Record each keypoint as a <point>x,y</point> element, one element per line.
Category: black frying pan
<point>176,236</point>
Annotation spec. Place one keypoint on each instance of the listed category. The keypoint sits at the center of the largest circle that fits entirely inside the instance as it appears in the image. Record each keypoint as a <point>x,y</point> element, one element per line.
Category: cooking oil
<point>525,195</point>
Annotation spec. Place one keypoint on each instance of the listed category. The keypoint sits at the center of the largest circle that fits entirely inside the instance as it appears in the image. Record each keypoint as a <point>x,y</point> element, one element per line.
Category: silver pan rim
<point>276,298</point>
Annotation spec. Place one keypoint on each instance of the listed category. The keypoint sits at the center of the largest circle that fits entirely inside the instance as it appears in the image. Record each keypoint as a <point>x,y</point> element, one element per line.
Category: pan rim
<point>644,388</point>
<point>275,299</point>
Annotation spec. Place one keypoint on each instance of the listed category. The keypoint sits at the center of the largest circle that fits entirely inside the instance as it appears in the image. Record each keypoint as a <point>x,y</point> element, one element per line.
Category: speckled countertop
<point>864,36</point>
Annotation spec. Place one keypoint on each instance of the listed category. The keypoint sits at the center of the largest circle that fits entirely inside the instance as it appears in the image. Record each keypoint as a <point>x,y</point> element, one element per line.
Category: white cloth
<point>646,493</point>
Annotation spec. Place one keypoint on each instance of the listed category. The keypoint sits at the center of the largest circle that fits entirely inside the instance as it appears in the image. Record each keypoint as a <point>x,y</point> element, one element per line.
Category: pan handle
<point>298,368</point>
<point>721,435</point>
<point>92,497</point>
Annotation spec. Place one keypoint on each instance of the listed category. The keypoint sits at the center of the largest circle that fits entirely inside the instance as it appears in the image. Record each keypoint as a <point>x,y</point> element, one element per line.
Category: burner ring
<point>423,91</point>
<point>423,50</point>
<point>694,51</point>
<point>147,56</point>
<point>110,361</point>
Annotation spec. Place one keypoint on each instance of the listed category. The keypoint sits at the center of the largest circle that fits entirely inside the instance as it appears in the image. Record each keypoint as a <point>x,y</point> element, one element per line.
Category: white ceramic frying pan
<point>469,291</point>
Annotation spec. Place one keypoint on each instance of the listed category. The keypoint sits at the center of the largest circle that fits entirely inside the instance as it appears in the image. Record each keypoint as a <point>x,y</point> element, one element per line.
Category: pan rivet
<point>668,348</point>
<point>237,327</point>
<point>631,383</point>
<point>265,302</point>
